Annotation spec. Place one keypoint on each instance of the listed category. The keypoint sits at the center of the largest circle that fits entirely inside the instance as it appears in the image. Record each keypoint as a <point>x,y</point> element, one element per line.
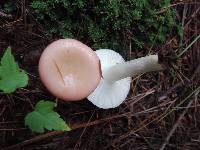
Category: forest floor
<point>162,110</point>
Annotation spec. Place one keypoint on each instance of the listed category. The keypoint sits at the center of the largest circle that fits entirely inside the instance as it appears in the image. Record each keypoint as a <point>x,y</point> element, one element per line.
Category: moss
<point>108,24</point>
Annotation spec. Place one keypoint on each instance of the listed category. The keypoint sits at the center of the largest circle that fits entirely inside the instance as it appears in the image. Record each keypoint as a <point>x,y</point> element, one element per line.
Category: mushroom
<point>72,71</point>
<point>69,69</point>
<point>116,77</point>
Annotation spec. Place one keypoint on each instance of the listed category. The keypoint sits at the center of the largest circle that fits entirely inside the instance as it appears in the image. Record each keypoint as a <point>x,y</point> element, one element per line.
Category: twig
<point>83,131</point>
<point>33,140</point>
<point>179,84</point>
<point>73,127</point>
<point>11,23</point>
<point>197,38</point>
<point>173,5</point>
<point>55,133</point>
<point>5,129</point>
<point>158,119</point>
<point>170,90</point>
<point>175,126</point>
<point>192,16</point>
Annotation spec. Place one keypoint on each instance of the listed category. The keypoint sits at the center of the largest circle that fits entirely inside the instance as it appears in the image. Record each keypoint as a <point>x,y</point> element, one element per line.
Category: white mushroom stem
<point>132,68</point>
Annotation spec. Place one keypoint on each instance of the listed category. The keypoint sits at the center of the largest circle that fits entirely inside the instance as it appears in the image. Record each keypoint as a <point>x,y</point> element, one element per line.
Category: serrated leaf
<point>11,77</point>
<point>45,118</point>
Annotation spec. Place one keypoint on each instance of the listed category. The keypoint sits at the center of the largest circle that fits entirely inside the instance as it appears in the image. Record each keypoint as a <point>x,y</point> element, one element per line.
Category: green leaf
<point>11,76</point>
<point>45,118</point>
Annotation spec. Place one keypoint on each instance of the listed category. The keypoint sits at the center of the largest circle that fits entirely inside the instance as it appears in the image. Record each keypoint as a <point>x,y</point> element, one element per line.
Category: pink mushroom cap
<point>69,69</point>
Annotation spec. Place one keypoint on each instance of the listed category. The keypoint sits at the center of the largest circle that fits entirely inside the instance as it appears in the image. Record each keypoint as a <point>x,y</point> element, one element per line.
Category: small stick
<point>34,139</point>
<point>175,126</point>
<point>196,39</point>
<point>54,133</point>
<point>73,127</point>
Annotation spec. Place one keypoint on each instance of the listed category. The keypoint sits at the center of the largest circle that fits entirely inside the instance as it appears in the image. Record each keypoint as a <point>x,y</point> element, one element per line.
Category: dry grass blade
<point>189,46</point>
<point>177,123</point>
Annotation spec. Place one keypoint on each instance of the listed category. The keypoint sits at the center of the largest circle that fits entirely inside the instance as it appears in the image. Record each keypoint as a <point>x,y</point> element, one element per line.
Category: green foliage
<point>9,6</point>
<point>44,117</point>
<point>11,77</point>
<point>108,24</point>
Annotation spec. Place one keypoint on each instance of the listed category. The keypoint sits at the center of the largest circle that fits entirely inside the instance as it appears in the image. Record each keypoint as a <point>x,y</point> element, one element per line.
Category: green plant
<point>108,24</point>
<point>11,76</point>
<point>43,117</point>
<point>9,6</point>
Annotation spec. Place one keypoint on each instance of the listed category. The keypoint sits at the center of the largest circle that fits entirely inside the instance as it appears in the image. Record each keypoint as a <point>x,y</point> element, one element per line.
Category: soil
<point>162,110</point>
